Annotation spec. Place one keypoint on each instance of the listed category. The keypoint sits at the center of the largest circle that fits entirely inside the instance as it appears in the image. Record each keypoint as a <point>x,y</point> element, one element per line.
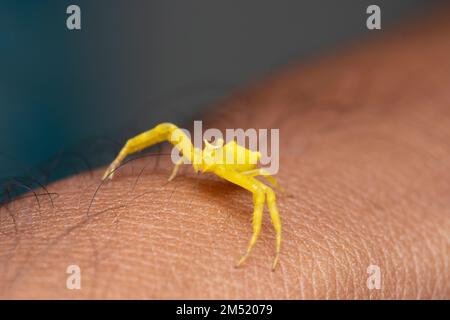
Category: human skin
<point>365,161</point>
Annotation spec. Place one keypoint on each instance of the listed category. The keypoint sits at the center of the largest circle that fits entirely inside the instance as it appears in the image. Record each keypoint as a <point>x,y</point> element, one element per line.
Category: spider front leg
<point>162,132</point>
<point>260,192</point>
<point>175,169</point>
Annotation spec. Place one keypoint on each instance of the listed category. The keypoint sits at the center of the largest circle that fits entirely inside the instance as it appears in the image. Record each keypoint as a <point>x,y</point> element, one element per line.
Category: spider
<point>231,162</point>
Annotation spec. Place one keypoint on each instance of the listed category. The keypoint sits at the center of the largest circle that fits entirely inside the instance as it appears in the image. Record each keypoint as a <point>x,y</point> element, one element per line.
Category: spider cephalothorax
<point>231,162</point>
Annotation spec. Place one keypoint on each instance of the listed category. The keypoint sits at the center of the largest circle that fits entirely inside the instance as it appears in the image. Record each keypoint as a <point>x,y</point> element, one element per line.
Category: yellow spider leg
<point>175,169</point>
<point>259,191</point>
<point>271,202</point>
<point>266,175</point>
<point>276,221</point>
<point>160,133</point>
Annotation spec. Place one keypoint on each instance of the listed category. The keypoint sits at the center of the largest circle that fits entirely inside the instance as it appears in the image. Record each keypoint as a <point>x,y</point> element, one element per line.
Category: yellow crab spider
<point>231,162</point>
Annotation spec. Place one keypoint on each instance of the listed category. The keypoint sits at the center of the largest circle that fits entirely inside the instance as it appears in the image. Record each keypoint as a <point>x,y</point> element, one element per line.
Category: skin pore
<point>364,160</point>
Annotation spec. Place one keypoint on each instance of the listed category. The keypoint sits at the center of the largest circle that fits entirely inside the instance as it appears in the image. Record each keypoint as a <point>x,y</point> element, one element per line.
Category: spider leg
<point>160,133</point>
<point>260,191</point>
<point>258,205</point>
<point>266,175</point>
<point>175,169</point>
<point>276,221</point>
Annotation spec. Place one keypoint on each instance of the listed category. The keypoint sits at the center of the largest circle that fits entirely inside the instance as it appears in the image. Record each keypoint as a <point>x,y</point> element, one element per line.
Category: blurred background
<point>69,99</point>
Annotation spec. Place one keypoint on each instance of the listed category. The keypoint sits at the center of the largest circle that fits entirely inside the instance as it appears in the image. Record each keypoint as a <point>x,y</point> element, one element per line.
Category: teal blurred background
<point>69,99</point>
